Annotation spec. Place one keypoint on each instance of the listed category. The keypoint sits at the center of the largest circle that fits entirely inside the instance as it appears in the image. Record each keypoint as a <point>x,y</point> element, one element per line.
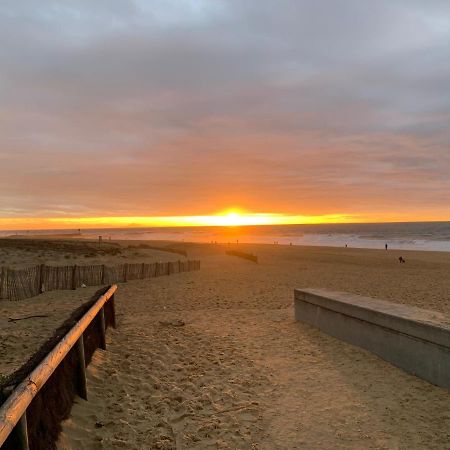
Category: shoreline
<point>422,236</point>
<point>131,241</point>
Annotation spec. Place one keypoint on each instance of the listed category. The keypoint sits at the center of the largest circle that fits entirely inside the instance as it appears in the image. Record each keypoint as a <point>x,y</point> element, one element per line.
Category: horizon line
<point>230,219</point>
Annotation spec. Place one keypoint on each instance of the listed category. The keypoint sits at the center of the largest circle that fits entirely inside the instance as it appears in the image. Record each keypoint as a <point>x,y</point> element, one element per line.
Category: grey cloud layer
<point>121,107</point>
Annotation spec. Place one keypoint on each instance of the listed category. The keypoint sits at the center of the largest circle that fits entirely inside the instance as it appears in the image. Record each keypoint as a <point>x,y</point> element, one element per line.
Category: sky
<point>310,108</point>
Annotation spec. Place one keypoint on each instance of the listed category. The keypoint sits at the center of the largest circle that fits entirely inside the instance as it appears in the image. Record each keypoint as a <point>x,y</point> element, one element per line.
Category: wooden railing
<point>13,412</point>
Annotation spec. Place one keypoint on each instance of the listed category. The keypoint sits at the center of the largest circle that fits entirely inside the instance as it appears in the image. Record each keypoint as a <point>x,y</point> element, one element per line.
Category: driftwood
<point>172,323</point>
<point>12,319</point>
<point>248,256</point>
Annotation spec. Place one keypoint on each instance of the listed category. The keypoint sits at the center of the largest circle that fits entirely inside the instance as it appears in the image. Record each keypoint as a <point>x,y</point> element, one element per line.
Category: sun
<point>231,219</point>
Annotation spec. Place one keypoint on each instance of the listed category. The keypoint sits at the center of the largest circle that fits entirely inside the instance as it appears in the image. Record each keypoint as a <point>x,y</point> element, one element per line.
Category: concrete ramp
<point>413,339</point>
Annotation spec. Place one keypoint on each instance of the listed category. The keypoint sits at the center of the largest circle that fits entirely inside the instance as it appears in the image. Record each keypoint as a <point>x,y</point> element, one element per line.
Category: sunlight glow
<point>230,218</point>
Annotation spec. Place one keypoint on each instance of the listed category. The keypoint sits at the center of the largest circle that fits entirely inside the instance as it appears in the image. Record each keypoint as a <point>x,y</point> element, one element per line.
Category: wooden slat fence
<point>113,274</point>
<point>89,275</point>
<point>25,283</point>
<point>56,278</point>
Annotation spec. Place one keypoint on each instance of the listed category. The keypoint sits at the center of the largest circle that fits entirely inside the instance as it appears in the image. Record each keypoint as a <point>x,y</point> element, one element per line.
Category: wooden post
<point>101,315</point>
<point>112,305</point>
<point>19,435</point>
<point>103,274</point>
<point>142,271</point>
<point>74,277</point>
<point>81,369</point>
<point>125,273</point>
<point>41,278</point>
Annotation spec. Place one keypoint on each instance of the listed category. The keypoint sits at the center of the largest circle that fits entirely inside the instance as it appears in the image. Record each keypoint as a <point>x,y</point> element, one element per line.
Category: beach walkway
<point>241,373</point>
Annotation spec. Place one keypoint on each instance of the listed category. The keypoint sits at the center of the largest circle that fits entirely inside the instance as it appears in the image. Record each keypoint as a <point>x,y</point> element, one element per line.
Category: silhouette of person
<point>385,246</point>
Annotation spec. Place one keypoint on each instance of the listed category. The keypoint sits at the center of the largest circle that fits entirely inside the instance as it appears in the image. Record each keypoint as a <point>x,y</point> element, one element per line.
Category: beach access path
<point>241,373</point>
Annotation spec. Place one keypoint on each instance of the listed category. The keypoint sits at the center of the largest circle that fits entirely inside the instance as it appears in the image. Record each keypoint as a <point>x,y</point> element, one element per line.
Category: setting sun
<point>232,218</point>
<point>228,218</point>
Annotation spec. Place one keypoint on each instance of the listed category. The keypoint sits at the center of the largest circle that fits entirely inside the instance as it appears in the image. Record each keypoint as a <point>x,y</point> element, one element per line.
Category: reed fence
<point>36,398</point>
<point>19,284</point>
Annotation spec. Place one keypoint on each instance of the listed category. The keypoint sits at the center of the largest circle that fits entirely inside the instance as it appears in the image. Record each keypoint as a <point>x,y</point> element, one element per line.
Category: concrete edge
<point>379,312</point>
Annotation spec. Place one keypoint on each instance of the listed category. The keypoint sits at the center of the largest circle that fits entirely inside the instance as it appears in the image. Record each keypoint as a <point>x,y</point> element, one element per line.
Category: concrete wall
<point>413,339</point>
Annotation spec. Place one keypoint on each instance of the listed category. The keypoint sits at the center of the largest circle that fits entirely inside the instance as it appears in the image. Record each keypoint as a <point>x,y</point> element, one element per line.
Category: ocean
<point>430,236</point>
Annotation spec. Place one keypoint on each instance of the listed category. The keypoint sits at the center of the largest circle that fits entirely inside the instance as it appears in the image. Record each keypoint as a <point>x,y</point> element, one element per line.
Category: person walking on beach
<point>385,246</point>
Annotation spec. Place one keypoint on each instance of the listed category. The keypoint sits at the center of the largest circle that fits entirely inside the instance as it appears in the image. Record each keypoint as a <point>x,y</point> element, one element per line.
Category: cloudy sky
<point>165,107</point>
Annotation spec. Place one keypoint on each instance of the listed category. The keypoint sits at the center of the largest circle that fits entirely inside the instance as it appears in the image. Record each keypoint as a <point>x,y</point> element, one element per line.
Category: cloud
<point>307,107</point>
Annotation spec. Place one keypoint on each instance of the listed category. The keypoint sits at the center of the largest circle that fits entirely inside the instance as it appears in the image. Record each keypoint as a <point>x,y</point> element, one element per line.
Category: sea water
<point>408,236</point>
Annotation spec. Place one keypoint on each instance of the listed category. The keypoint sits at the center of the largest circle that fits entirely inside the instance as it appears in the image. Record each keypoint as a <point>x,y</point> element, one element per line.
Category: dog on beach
<point>401,260</point>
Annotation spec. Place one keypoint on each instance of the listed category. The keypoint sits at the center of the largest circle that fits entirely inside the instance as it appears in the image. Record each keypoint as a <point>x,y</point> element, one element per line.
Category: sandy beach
<point>241,373</point>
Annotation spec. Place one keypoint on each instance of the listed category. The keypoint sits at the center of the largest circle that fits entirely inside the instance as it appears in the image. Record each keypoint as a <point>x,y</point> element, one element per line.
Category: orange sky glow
<point>226,218</point>
<point>232,218</point>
